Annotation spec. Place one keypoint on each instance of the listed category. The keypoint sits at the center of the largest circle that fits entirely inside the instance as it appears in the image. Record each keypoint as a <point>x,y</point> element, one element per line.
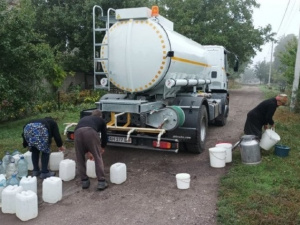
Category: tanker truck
<point>169,88</point>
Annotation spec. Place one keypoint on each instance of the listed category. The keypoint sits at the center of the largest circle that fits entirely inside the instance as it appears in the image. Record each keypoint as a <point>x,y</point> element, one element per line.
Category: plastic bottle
<point>2,179</point>
<point>11,168</point>
<point>2,171</point>
<point>5,160</point>
<point>16,154</point>
<point>22,167</point>
<point>13,180</point>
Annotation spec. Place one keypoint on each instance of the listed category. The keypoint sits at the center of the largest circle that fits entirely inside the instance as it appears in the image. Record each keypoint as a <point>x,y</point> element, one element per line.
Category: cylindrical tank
<point>138,60</point>
<point>250,150</point>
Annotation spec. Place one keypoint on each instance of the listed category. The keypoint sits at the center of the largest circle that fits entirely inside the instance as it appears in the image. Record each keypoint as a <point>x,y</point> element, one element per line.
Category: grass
<point>266,193</point>
<point>10,132</point>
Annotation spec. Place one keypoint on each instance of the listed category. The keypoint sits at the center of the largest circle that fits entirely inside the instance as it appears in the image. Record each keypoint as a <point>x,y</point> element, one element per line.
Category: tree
<point>218,22</point>
<point>25,59</point>
<point>261,70</point>
<point>287,59</point>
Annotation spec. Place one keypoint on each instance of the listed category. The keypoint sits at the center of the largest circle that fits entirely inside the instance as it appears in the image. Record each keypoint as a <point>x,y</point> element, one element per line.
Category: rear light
<point>70,135</point>
<point>162,144</point>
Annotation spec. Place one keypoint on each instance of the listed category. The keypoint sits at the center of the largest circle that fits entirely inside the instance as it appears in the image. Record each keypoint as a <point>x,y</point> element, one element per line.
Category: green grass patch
<point>266,193</point>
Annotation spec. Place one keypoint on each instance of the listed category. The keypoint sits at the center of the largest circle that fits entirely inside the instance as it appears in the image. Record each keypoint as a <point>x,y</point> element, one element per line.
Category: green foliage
<point>261,70</point>
<point>227,23</point>
<point>288,60</point>
<point>25,60</point>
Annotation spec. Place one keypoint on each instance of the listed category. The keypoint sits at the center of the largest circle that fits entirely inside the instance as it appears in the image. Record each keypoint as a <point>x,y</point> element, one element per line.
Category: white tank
<point>9,198</point>
<point>138,51</point>
<point>118,173</point>
<point>67,169</point>
<point>52,189</point>
<point>27,156</point>
<point>26,205</point>
<point>29,183</point>
<point>55,159</point>
<point>91,168</point>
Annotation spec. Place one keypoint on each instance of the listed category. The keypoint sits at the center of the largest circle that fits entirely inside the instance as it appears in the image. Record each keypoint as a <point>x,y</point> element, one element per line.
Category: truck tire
<point>201,130</point>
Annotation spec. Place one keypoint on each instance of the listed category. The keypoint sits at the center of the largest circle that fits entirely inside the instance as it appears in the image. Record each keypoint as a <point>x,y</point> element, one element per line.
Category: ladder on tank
<point>99,72</point>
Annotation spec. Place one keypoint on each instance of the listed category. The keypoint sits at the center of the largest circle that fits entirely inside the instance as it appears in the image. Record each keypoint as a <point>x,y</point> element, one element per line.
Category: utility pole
<point>296,77</point>
<point>270,71</point>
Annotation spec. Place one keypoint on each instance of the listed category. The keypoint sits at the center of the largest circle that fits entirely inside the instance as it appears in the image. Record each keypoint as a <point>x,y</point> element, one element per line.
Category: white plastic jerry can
<point>26,205</point>
<point>55,159</point>
<point>67,169</point>
<point>52,189</point>
<point>118,173</point>
<point>90,169</point>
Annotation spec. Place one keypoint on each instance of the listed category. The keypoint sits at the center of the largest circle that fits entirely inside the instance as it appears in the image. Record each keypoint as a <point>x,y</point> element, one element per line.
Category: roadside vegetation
<point>266,193</point>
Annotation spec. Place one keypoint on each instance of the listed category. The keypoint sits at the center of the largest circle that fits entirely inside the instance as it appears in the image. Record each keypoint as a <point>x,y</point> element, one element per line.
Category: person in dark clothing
<point>262,115</point>
<point>37,136</point>
<point>87,141</point>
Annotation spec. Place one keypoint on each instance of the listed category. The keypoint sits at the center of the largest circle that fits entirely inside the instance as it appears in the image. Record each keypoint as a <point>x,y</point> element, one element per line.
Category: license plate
<point>119,139</point>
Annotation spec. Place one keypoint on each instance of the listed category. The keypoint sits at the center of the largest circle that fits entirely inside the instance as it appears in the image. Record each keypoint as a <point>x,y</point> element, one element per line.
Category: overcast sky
<point>284,17</point>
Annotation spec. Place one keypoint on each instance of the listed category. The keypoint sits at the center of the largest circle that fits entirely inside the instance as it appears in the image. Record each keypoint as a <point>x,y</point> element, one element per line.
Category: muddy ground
<point>149,195</point>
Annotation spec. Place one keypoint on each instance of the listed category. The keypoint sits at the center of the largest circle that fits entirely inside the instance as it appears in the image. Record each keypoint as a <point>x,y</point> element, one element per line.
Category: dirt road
<point>149,195</point>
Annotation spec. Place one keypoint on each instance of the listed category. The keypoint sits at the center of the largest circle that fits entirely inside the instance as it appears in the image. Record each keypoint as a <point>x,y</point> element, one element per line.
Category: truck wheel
<point>201,130</point>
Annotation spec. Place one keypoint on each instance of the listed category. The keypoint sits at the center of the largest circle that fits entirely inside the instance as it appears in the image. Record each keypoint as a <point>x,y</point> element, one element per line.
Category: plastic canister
<point>55,159</point>
<point>26,205</point>
<point>67,169</point>
<point>29,183</point>
<point>183,180</point>
<point>2,186</point>
<point>118,173</point>
<point>9,198</point>
<point>217,156</point>
<point>228,148</point>
<point>52,189</point>
<point>90,169</point>
<point>27,156</point>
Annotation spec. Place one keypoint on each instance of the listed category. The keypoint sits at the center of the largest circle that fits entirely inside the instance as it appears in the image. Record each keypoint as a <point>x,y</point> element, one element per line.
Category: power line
<point>283,15</point>
<point>289,18</point>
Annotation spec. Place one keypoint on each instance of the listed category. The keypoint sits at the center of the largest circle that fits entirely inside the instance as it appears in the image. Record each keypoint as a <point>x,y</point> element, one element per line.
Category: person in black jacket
<point>37,136</point>
<point>87,141</point>
<point>262,115</point>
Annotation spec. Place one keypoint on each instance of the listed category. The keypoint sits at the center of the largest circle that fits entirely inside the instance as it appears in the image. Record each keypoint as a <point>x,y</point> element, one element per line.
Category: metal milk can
<point>250,150</point>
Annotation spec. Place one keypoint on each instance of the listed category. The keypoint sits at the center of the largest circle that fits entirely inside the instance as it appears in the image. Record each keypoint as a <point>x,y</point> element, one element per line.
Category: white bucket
<point>183,180</point>
<point>26,205</point>
<point>90,169</point>
<point>55,159</point>
<point>29,183</point>
<point>228,148</point>
<point>118,173</point>
<point>27,156</point>
<point>269,139</point>
<point>67,169</point>
<point>217,156</point>
<point>52,189</point>
<point>9,198</point>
